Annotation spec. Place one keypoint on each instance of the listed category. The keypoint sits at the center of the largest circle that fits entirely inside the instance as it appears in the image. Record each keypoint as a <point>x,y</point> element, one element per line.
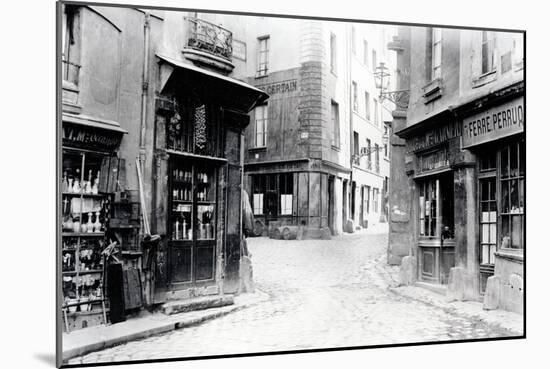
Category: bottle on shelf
<point>97,224</point>
<point>76,225</point>
<point>88,186</point>
<point>89,225</point>
<point>76,186</point>
<point>184,229</point>
<point>70,185</point>
<point>95,187</point>
<point>64,183</point>
<point>177,230</point>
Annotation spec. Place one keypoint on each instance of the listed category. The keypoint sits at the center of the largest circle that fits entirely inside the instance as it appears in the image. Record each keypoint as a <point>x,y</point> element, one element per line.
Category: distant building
<point>458,161</point>
<point>305,150</point>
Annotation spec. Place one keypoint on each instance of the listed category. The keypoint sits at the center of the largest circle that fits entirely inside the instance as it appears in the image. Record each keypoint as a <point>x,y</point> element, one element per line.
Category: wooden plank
<point>104,174</point>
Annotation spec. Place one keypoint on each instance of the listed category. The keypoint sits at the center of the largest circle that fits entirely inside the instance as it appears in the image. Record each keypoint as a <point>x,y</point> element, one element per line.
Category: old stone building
<point>457,205</point>
<point>303,162</point>
<point>151,122</point>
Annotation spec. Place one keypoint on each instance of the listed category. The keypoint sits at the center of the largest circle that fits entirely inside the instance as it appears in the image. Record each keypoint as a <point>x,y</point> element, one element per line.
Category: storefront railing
<point>206,36</point>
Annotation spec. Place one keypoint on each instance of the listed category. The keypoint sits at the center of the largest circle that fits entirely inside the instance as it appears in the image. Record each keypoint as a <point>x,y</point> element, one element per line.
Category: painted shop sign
<point>86,137</point>
<point>434,136</point>
<point>434,160</point>
<point>492,124</point>
<point>280,87</point>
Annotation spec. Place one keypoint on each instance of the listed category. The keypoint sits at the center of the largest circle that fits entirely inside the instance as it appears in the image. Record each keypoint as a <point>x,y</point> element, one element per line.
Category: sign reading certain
<point>498,122</point>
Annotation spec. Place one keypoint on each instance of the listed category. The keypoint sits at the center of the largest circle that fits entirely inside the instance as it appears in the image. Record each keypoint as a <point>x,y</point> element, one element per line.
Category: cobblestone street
<point>323,294</point>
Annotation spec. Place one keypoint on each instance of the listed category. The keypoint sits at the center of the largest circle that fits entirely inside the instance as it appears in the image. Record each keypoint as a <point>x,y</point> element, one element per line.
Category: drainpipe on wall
<point>144,91</point>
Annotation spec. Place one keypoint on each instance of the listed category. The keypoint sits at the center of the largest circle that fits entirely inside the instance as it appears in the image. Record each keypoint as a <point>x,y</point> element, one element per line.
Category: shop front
<point>494,132</point>
<point>91,175</point>
<point>200,117</point>
<point>433,158</point>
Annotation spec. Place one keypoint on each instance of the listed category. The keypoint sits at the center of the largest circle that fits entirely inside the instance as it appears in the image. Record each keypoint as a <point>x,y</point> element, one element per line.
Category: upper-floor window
<point>355,98</point>
<point>70,44</point>
<point>487,52</point>
<point>263,56</point>
<point>385,150</point>
<point>260,125</point>
<point>376,121</point>
<point>353,43</point>
<point>356,158</point>
<point>374,60</point>
<point>335,120</point>
<point>433,54</point>
<point>365,52</point>
<point>377,157</point>
<point>367,105</point>
<point>369,157</point>
<point>333,53</point>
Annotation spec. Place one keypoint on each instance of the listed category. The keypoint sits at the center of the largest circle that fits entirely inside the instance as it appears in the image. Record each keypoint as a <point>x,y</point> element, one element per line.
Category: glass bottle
<point>97,224</point>
<point>65,184</point>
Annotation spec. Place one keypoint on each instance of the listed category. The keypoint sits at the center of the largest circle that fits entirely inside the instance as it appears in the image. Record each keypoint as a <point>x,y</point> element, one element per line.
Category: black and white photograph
<point>240,184</point>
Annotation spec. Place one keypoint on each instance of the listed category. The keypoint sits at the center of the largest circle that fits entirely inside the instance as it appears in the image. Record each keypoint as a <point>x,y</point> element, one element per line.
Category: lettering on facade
<point>494,123</point>
<point>81,136</point>
<point>280,87</point>
<point>434,136</point>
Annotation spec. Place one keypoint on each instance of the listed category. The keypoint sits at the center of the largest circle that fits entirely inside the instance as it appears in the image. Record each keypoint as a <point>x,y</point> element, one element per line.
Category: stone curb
<point>427,296</point>
<point>163,327</point>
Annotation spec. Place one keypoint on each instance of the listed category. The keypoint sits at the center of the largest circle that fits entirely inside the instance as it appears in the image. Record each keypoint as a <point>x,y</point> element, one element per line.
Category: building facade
<point>459,162</point>
<point>303,147</point>
<point>152,128</point>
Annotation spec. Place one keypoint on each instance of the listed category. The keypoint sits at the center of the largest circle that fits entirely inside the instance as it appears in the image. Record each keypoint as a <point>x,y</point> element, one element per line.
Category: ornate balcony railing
<point>206,36</point>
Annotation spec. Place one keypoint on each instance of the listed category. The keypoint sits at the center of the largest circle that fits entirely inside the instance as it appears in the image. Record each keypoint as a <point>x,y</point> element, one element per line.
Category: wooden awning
<point>226,91</point>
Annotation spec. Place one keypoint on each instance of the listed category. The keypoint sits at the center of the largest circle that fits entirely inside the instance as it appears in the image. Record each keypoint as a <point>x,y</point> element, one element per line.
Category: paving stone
<point>324,293</point>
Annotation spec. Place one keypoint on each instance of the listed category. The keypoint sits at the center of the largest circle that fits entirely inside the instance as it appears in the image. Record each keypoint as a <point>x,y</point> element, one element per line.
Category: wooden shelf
<point>206,202</point>
<point>84,272</point>
<point>183,201</point>
<point>91,234</point>
<point>182,182</point>
<point>74,194</point>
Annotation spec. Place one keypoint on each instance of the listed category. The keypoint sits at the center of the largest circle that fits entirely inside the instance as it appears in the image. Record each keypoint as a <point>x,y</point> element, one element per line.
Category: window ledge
<point>485,78</point>
<point>258,148</point>
<point>510,254</point>
<point>261,76</point>
<point>433,90</point>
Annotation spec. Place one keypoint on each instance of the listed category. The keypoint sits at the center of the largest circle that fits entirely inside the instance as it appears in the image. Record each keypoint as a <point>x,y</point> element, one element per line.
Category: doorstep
<point>197,303</point>
<point>84,341</point>
<point>437,288</point>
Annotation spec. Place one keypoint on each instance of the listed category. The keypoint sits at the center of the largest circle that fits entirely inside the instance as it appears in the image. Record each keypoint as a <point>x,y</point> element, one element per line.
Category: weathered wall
<point>450,68</point>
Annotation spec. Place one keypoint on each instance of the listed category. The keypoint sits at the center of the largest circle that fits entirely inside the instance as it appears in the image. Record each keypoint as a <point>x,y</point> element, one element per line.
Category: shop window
<point>436,197</point>
<point>271,197</point>
<point>488,221</point>
<point>263,56</point>
<point>375,195</point>
<point>194,128</point>
<point>258,190</point>
<point>512,195</point>
<point>286,190</point>
<point>260,124</point>
<point>367,199</point>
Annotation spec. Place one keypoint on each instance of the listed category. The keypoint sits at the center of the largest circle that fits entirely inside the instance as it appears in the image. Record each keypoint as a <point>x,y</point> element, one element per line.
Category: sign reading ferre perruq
<point>498,122</point>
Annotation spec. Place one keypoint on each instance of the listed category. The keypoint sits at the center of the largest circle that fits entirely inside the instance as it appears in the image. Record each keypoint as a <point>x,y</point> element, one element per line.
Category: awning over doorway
<point>229,92</point>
